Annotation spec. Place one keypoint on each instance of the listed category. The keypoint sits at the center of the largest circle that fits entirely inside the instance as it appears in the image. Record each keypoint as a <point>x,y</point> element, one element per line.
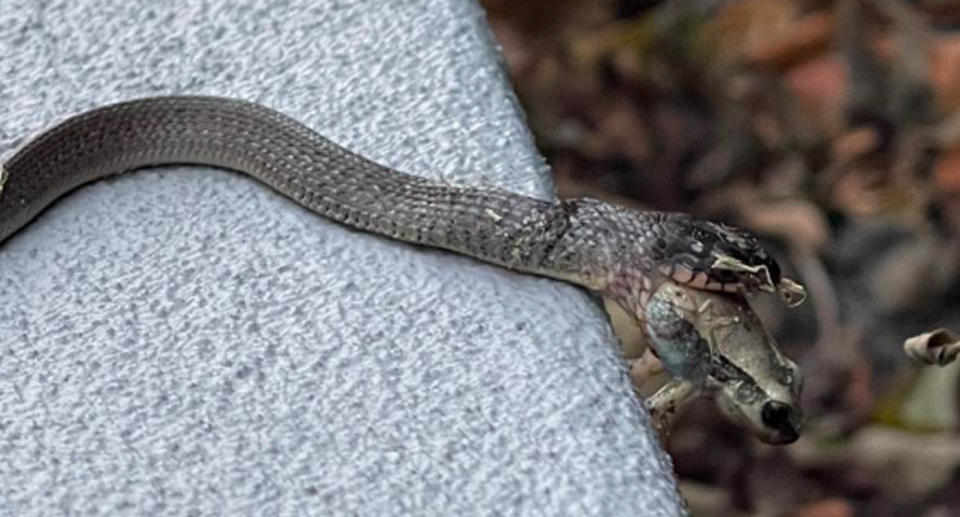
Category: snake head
<point>719,257</point>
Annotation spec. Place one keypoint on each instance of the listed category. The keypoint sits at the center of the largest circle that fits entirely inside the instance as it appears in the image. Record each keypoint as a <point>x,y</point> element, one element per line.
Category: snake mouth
<point>727,274</point>
<point>699,279</point>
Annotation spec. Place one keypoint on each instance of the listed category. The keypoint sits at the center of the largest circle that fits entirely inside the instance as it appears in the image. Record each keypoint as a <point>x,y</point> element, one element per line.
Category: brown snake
<point>629,256</point>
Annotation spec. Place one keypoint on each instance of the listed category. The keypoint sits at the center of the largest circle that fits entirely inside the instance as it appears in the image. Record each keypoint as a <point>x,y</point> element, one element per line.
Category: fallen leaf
<point>939,347</point>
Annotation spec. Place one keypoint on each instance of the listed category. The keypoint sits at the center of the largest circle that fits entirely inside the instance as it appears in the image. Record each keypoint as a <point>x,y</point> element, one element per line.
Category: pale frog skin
<point>713,343</point>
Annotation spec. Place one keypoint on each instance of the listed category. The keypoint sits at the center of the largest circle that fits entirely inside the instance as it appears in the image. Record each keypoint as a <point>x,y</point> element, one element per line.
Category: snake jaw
<point>728,263</point>
<point>792,293</point>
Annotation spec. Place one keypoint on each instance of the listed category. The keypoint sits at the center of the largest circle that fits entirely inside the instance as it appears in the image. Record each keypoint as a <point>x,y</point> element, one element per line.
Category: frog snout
<point>781,418</point>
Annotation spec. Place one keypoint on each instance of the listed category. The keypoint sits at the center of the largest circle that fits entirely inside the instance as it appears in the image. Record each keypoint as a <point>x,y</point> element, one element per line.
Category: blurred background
<point>832,130</point>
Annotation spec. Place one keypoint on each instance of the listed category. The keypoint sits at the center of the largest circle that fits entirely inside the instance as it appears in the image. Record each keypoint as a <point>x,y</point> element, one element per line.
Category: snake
<point>681,277</point>
<point>618,252</point>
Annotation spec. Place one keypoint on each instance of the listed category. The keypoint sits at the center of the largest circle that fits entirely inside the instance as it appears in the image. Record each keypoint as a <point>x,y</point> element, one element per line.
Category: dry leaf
<point>939,347</point>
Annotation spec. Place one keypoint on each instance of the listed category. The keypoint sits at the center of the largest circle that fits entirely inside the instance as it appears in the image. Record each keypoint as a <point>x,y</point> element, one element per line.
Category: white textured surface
<point>185,341</point>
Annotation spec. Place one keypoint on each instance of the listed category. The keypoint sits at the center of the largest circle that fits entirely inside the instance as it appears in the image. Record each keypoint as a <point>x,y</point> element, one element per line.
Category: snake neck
<point>608,249</point>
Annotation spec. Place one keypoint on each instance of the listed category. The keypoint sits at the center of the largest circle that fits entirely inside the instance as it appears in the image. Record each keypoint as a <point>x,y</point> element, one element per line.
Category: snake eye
<point>724,276</point>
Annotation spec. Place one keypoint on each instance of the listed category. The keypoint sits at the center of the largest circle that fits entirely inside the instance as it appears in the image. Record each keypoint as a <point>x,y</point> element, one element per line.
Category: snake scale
<point>626,255</point>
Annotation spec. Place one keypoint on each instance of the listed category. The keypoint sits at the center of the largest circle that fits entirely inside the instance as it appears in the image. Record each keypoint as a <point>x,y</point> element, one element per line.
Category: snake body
<point>610,249</point>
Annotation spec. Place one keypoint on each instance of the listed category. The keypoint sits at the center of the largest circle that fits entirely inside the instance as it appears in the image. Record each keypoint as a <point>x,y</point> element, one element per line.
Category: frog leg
<point>644,367</point>
<point>664,403</point>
